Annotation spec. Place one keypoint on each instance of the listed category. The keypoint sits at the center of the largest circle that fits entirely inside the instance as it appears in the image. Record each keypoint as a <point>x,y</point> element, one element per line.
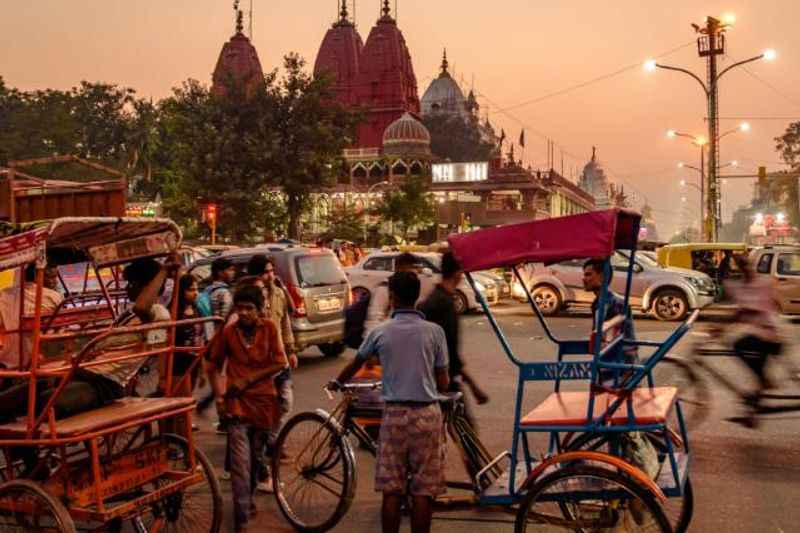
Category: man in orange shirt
<point>249,399</point>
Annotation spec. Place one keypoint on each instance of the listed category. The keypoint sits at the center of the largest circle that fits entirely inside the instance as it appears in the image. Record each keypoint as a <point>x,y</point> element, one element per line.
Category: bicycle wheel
<point>196,509</point>
<point>587,498</point>
<point>314,473</point>
<point>27,507</point>
<point>693,394</point>
<point>679,510</point>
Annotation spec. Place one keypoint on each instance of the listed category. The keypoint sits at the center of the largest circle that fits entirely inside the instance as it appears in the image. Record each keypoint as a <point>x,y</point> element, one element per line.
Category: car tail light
<point>298,301</point>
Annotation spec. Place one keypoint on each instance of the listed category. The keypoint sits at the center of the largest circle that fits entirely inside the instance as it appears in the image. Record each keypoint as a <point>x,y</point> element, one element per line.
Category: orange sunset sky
<point>516,51</point>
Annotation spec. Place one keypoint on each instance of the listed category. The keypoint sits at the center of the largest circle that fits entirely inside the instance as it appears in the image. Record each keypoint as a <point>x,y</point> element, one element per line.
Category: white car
<point>378,266</point>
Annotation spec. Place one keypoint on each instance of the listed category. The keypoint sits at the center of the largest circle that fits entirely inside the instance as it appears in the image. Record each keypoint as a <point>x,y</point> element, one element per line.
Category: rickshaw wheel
<point>196,509</point>
<point>316,482</point>
<point>679,511</point>
<point>587,498</point>
<point>26,507</point>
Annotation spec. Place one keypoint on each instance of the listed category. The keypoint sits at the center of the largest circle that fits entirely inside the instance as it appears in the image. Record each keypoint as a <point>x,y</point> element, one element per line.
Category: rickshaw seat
<point>650,406</point>
<point>115,414</point>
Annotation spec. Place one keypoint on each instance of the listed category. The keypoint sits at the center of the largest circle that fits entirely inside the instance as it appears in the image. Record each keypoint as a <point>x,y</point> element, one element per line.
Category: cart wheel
<point>314,473</point>
<point>587,498</point>
<point>25,506</point>
<point>679,511</point>
<point>198,508</point>
<point>693,394</point>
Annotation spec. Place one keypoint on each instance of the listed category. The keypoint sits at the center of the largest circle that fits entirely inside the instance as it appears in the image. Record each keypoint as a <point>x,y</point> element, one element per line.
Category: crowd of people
<point>410,341</point>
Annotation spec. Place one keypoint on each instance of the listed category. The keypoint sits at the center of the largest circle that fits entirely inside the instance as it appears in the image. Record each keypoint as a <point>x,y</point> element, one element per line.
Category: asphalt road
<point>744,479</point>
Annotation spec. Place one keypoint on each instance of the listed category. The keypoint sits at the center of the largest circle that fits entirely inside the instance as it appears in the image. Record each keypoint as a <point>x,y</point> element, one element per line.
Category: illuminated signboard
<point>460,172</point>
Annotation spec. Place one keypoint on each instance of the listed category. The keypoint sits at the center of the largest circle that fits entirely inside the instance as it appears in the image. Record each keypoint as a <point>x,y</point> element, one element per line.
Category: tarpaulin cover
<point>595,234</point>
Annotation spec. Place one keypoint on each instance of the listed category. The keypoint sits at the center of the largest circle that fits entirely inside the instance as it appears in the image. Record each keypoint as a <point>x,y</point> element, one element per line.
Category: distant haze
<point>517,50</point>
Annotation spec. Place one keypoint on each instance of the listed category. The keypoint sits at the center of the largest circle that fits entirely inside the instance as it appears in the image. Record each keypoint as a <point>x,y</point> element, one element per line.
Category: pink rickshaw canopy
<point>594,234</point>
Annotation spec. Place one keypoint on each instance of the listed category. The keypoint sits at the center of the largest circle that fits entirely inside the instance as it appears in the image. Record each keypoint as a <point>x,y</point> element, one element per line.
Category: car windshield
<point>641,258</point>
<point>319,270</point>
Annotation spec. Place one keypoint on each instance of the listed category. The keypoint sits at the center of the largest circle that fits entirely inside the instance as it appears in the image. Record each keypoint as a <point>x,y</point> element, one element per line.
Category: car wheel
<point>358,293</point>
<point>460,301</point>
<point>670,305</point>
<point>331,349</point>
<point>547,299</point>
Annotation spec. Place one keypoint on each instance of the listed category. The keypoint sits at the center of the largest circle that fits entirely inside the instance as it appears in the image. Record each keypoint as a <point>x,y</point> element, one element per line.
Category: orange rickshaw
<point>131,464</point>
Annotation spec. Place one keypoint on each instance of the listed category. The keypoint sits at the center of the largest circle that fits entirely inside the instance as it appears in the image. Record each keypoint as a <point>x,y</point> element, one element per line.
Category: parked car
<point>189,255</point>
<point>782,264</point>
<point>317,286</point>
<point>378,266</point>
<point>667,293</point>
<point>503,286</point>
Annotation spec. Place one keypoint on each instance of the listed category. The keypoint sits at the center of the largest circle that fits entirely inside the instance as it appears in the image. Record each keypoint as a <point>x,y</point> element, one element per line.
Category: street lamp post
<point>700,142</point>
<point>368,205</point>
<point>711,44</point>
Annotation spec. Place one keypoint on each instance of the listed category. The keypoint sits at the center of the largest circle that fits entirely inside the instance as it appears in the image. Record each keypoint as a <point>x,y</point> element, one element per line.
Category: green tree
<point>783,190</point>
<point>411,206</point>
<point>214,149</point>
<point>457,139</point>
<point>310,132</point>
<point>345,223</point>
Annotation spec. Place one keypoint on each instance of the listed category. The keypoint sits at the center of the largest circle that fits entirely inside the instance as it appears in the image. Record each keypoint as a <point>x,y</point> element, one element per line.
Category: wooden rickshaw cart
<point>130,465</point>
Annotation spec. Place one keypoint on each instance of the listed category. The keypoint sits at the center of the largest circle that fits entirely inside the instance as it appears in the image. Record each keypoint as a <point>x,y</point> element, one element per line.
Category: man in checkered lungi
<point>413,355</point>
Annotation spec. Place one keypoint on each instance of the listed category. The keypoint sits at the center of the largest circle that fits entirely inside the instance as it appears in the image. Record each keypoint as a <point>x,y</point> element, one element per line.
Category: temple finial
<point>386,9</point>
<point>239,17</point>
<point>343,14</point>
<point>445,64</point>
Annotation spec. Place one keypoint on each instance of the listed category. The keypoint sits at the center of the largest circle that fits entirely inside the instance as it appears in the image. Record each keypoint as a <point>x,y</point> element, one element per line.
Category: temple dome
<point>444,95</point>
<point>339,57</point>
<point>237,65</point>
<point>406,136</point>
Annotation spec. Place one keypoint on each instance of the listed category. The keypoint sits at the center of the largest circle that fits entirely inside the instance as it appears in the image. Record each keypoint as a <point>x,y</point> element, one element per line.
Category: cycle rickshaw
<point>582,482</point>
<point>130,465</point>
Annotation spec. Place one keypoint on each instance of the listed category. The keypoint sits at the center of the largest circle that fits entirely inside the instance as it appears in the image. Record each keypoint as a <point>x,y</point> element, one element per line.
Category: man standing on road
<point>411,453</point>
<point>252,350</point>
<point>379,304</point>
<point>261,272</point>
<point>440,309</point>
<point>223,272</point>
<point>636,449</point>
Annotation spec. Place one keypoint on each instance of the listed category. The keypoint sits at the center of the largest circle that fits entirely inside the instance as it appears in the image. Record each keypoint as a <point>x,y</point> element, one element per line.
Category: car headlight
<point>695,282</point>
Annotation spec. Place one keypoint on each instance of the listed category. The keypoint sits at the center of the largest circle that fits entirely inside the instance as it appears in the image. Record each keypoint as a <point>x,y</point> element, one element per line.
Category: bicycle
<point>314,451</point>
<point>695,395</point>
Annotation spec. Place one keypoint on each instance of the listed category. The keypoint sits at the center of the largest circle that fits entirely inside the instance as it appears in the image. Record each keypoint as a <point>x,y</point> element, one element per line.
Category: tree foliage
<point>345,223</point>
<point>411,206</point>
<point>457,139</point>
<point>310,132</point>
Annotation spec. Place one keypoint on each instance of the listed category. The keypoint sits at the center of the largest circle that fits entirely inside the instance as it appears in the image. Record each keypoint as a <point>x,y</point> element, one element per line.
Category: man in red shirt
<point>249,399</point>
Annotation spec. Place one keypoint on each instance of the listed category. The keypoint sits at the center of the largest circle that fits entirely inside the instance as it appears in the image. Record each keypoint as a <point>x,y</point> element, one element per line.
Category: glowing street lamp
<point>711,45</point>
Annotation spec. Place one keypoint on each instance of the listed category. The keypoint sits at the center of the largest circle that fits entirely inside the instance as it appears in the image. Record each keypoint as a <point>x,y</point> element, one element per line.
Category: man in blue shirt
<point>413,355</point>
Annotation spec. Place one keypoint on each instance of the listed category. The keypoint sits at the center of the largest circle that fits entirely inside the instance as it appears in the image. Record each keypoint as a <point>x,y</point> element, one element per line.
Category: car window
<point>574,263</point>
<point>764,263</point>
<point>319,270</point>
<point>379,263</point>
<point>789,264</point>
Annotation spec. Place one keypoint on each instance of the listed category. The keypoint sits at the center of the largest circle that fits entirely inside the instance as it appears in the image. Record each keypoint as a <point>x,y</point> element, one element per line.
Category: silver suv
<point>667,293</point>
<point>316,283</point>
<point>782,265</point>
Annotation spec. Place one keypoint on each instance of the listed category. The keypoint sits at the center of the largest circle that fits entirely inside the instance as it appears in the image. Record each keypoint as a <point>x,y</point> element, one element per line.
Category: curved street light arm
<point>688,72</point>
<point>737,64</point>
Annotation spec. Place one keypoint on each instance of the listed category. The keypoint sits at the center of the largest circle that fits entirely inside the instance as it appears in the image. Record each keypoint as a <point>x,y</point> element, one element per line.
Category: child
<point>187,336</point>
<point>253,353</point>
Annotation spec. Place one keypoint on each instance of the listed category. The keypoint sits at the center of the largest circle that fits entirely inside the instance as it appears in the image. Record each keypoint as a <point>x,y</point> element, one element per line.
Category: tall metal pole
<point>702,184</point>
<point>716,44</point>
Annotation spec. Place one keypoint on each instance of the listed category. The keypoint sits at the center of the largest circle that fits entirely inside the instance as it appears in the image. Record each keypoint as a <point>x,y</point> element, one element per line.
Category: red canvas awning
<point>595,234</point>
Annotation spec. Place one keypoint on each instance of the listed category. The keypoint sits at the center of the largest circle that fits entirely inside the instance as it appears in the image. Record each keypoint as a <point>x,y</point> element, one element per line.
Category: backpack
<point>354,318</point>
<point>204,301</point>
